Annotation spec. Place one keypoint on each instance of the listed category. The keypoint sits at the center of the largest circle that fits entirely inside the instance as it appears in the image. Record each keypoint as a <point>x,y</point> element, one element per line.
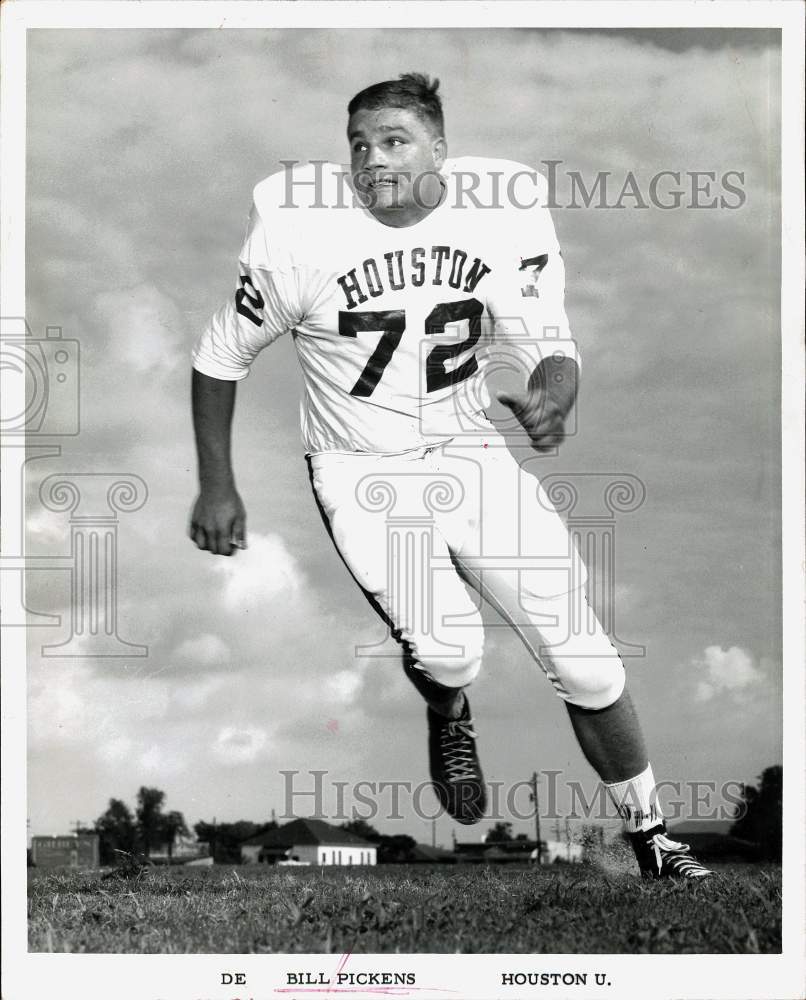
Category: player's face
<point>394,160</point>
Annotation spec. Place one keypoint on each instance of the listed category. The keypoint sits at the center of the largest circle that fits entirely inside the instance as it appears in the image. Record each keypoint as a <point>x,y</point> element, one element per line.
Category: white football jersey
<point>390,323</point>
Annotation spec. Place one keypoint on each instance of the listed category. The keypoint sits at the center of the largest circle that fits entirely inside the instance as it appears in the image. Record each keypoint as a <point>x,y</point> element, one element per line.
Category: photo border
<point>467,976</point>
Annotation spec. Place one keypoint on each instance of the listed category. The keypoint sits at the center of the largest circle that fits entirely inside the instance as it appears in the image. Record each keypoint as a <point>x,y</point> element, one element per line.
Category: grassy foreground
<point>402,908</point>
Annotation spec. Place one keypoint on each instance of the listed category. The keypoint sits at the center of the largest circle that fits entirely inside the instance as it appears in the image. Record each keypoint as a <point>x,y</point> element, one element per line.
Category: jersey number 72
<point>392,323</point>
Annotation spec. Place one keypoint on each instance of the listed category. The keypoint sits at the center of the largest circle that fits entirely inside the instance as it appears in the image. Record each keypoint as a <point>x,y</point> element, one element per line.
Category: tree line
<point>149,826</point>
<point>760,815</point>
<point>141,831</point>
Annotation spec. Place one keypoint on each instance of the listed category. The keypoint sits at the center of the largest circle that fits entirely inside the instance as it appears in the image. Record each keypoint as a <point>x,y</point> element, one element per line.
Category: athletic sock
<point>636,801</point>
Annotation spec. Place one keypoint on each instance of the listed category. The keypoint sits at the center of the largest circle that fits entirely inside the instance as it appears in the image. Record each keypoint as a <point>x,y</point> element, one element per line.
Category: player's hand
<point>218,521</point>
<point>539,415</point>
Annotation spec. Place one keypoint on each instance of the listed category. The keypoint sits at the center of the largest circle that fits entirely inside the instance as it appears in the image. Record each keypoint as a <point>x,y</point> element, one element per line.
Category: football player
<point>370,270</point>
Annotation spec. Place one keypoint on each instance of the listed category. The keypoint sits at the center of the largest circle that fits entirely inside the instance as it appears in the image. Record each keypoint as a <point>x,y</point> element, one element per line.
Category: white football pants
<point>414,528</point>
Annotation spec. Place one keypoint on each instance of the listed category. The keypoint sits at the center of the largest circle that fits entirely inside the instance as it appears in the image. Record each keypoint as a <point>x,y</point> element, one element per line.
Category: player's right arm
<point>264,305</point>
<point>218,519</point>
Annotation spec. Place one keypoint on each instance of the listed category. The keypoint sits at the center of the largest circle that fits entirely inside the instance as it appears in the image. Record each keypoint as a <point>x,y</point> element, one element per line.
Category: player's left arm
<point>535,293</point>
<point>544,405</point>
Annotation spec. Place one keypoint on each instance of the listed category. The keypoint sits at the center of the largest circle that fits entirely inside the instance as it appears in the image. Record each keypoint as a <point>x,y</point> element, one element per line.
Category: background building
<point>71,851</point>
<point>310,841</point>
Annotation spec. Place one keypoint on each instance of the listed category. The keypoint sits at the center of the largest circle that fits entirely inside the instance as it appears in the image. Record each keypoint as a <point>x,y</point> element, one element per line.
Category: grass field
<point>401,908</point>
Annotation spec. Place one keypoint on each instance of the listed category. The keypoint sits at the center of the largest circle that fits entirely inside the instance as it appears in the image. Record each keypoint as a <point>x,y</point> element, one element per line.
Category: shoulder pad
<point>497,175</point>
<point>301,185</point>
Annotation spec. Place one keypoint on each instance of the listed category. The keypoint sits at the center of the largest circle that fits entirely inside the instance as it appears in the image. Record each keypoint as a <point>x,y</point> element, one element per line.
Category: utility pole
<point>434,831</point>
<point>533,797</point>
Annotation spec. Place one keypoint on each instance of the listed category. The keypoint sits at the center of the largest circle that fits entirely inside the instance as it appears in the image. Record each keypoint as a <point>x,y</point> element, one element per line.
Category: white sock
<point>636,801</point>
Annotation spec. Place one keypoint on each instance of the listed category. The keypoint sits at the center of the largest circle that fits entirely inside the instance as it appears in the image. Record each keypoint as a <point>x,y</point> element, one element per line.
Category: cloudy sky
<point>143,149</point>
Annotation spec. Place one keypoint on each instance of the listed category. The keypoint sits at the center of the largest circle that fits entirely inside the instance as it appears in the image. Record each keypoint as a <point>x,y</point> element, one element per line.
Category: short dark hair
<point>413,91</point>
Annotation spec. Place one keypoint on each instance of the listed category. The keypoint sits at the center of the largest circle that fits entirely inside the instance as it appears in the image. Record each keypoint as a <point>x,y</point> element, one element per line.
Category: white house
<point>310,841</point>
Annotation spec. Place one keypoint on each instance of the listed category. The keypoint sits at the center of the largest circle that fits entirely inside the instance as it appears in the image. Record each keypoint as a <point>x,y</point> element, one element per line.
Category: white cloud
<point>163,759</point>
<point>55,710</point>
<point>47,528</point>
<point>343,687</point>
<point>116,750</point>
<point>255,576</point>
<point>725,671</point>
<point>205,649</point>
<point>72,704</point>
<point>239,746</point>
<point>144,327</point>
<point>705,692</point>
<point>194,693</point>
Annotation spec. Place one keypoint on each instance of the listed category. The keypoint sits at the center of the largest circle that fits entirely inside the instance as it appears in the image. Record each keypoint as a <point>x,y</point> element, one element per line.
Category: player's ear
<point>440,152</point>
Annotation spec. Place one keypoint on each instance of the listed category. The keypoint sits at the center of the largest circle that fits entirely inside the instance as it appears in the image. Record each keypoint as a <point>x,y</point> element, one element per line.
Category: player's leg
<point>611,738</point>
<point>448,702</point>
<point>613,744</point>
<point>456,774</point>
<point>414,602</point>
<point>589,677</point>
<point>581,662</point>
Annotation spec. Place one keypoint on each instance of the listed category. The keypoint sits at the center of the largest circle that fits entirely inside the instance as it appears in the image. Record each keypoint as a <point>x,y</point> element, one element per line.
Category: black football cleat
<point>455,769</point>
<point>660,857</point>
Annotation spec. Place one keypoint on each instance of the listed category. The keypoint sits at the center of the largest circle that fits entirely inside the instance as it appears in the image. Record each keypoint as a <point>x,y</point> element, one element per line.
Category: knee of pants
<point>455,668</point>
<point>592,682</point>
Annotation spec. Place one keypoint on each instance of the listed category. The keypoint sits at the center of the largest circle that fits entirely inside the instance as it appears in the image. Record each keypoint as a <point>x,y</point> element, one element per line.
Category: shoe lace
<point>457,750</point>
<point>676,856</point>
<point>664,843</point>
